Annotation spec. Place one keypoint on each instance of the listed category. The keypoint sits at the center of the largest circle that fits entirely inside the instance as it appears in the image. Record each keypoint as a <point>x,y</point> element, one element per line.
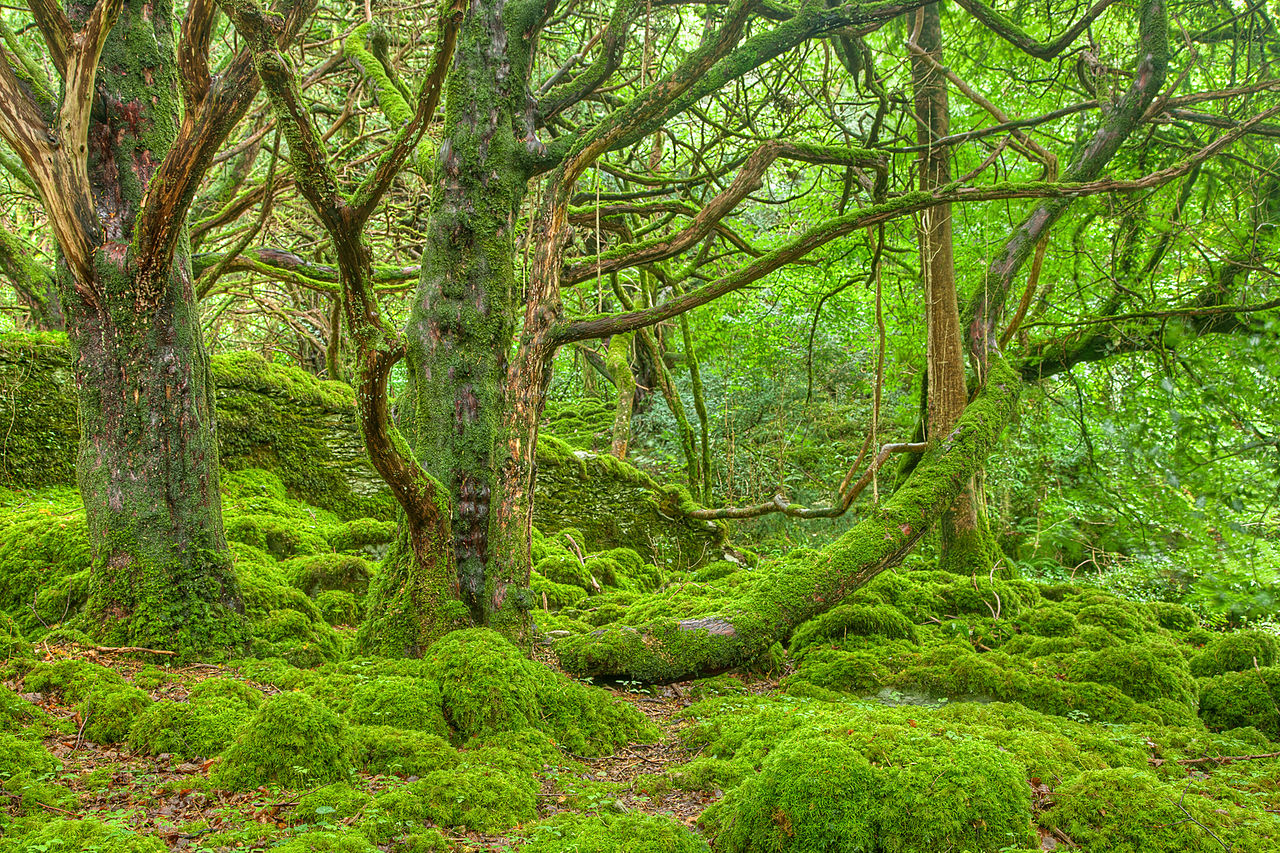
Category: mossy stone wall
<point>304,430</point>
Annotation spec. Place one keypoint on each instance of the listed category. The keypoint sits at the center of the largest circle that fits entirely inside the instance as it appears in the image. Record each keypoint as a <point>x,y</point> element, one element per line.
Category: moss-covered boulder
<point>819,791</point>
<point>1249,698</point>
<point>1236,652</point>
<point>293,740</point>
<point>488,686</point>
<point>615,505</point>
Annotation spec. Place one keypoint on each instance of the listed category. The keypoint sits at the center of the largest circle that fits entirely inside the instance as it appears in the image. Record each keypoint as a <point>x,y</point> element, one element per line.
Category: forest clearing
<point>570,426</point>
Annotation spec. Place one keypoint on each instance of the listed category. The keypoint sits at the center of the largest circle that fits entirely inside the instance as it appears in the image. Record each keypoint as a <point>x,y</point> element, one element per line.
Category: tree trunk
<point>460,330</point>
<point>618,358</point>
<point>967,545</point>
<point>148,464</point>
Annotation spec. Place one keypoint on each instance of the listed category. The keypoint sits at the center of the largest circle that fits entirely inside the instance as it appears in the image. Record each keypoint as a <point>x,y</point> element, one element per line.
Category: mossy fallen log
<point>805,583</point>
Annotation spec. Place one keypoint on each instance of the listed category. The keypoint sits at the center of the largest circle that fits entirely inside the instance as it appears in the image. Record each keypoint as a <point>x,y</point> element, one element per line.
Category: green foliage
<point>347,841</point>
<point>292,740</point>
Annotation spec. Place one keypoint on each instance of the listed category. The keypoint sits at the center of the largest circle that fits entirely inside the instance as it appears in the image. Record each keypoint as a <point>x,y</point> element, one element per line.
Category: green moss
<point>1235,652</point>
<point>226,688</point>
<point>1249,698</point>
<point>293,740</point>
<point>13,645</point>
<point>73,680</point>
<point>85,834</point>
<point>1123,810</point>
<point>818,795</point>
<point>322,572</point>
<point>347,841</point>
<point>608,833</point>
<point>108,713</point>
<point>478,797</point>
<point>339,608</point>
<point>330,804</point>
<point>42,543</point>
<point>402,703</point>
<point>553,596</point>
<point>202,727</point>
<point>1148,671</point>
<point>855,619</point>
<point>489,687</point>
<point>387,750</point>
<point>1174,617</point>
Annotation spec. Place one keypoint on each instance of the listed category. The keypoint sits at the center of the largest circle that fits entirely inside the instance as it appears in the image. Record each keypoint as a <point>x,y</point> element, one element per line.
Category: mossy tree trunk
<point>618,359</point>
<point>116,160</point>
<point>967,546</point>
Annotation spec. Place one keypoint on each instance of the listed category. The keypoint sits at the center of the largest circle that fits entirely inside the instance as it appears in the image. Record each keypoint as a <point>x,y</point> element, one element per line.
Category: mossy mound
<point>1249,698</point>
<point>43,543</point>
<point>87,834</point>
<point>402,703</point>
<point>386,750</point>
<point>107,704</point>
<point>1123,810</point>
<point>203,726</point>
<point>488,686</point>
<point>817,790</point>
<point>610,833</point>
<point>293,740</point>
<point>1236,652</point>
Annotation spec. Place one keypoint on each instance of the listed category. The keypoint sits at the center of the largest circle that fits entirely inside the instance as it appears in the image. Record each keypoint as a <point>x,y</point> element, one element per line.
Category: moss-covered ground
<point>926,712</point>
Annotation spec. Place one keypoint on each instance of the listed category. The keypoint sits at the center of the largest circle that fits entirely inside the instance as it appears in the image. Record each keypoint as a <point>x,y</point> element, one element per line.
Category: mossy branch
<point>986,307</point>
<point>807,583</point>
<point>1009,30</point>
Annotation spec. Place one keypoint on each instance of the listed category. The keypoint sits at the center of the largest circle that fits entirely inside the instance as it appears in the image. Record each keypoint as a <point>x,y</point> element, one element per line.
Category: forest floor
<point>165,797</point>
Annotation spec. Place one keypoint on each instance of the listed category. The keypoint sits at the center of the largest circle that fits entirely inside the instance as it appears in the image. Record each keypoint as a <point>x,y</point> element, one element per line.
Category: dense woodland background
<point>639,425</point>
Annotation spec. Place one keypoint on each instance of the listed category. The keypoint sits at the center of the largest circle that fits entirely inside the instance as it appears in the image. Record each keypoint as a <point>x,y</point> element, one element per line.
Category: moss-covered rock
<point>1235,652</point>
<point>203,726</point>
<point>488,687</point>
<point>817,791</point>
<point>814,796</point>
<point>615,505</point>
<point>387,750</point>
<point>1249,698</point>
<point>322,572</point>
<point>1122,810</point>
<point>293,740</point>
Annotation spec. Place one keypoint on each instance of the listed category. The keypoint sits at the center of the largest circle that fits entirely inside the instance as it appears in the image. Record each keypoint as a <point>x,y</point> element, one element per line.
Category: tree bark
<point>966,543</point>
<point>161,574</point>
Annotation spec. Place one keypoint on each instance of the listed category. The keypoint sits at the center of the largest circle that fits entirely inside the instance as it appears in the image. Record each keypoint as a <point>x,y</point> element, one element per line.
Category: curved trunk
<point>618,358</point>
<point>454,412</point>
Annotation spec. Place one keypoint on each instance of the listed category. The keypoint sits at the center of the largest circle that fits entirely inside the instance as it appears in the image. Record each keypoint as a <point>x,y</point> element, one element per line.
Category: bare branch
<point>55,28</point>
